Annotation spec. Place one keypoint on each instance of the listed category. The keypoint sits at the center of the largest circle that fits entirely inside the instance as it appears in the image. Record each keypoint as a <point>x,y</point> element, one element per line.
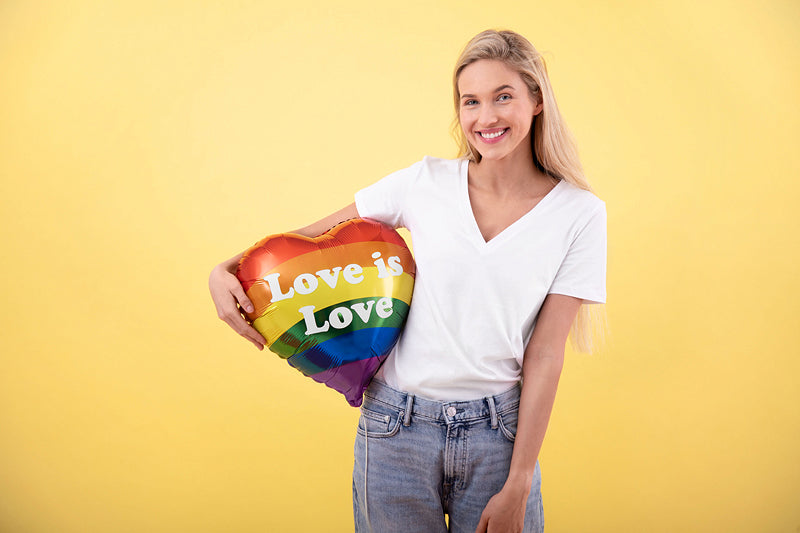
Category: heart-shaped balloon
<point>334,305</point>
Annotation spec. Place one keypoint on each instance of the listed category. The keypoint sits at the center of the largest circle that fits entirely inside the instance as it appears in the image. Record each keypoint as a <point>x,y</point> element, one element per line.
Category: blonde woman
<point>510,247</point>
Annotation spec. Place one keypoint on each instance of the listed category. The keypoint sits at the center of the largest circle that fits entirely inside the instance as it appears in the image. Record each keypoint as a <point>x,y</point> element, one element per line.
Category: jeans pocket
<point>378,420</point>
<point>508,424</point>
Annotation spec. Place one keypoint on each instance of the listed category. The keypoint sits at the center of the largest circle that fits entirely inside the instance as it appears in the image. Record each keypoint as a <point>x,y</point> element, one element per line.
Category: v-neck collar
<point>509,230</point>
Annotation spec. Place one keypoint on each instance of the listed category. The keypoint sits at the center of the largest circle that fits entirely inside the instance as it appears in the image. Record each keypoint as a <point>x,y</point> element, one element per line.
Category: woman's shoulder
<point>439,165</point>
<point>432,166</point>
<point>587,199</point>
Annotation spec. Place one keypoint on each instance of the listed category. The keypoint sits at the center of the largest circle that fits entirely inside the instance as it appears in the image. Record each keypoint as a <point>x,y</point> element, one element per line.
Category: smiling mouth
<point>493,134</point>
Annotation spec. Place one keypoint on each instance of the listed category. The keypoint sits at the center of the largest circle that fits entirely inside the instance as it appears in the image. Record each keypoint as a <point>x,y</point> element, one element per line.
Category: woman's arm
<point>541,370</point>
<point>228,294</point>
<point>321,226</point>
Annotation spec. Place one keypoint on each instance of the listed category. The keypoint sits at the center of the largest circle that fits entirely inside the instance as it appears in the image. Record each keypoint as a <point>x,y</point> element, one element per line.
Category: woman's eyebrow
<point>502,87</point>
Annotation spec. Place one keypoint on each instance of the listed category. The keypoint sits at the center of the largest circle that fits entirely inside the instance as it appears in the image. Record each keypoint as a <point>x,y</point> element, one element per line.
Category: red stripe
<point>278,248</point>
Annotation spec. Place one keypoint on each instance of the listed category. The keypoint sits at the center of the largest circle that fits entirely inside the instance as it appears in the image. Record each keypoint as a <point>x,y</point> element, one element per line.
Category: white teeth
<point>492,135</point>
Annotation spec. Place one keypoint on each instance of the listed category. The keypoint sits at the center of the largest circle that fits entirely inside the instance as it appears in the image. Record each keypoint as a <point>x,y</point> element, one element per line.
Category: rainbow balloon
<point>332,306</point>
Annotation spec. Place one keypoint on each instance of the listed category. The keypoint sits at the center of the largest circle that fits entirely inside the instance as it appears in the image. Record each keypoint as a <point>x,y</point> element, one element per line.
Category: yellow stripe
<point>280,316</point>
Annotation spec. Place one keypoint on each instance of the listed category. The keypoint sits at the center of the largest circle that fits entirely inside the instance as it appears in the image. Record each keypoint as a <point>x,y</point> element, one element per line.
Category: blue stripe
<point>346,348</point>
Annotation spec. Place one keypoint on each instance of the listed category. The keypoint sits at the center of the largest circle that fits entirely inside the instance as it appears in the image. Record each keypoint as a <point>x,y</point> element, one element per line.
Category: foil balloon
<point>332,306</point>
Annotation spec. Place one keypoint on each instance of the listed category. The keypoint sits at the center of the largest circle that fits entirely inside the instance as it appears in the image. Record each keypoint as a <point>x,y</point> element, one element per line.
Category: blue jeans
<point>418,459</point>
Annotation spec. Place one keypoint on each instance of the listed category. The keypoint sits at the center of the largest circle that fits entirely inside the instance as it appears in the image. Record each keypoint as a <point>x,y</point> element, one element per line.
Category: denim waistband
<point>441,411</point>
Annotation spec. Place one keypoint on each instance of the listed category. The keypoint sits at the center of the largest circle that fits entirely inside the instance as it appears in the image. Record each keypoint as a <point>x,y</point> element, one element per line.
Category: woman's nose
<point>488,116</point>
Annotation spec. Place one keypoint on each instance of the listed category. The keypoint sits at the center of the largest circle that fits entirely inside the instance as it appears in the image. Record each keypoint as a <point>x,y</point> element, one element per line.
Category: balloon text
<point>353,273</point>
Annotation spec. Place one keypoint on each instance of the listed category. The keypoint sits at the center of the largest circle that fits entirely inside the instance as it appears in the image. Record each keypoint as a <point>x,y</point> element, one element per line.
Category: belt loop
<point>407,414</point>
<point>492,411</point>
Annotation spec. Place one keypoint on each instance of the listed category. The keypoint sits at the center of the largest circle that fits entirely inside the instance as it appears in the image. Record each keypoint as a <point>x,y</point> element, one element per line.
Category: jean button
<point>451,411</point>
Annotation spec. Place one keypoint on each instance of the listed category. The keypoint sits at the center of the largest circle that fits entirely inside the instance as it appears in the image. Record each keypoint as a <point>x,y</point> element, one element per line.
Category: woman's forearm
<point>541,373</point>
<point>321,226</point>
<point>311,230</point>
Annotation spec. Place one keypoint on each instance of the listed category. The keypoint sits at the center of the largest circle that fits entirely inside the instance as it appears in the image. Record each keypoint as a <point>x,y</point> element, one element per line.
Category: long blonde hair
<point>554,150</point>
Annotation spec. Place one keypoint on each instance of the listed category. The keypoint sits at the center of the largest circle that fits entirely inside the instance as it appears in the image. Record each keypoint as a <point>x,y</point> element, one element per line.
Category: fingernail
<point>249,308</point>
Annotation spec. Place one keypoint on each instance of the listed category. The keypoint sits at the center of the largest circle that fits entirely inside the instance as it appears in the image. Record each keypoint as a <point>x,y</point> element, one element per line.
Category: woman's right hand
<point>229,296</point>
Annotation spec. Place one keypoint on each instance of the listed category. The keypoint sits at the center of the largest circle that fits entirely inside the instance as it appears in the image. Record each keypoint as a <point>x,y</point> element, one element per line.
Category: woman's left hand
<point>505,512</point>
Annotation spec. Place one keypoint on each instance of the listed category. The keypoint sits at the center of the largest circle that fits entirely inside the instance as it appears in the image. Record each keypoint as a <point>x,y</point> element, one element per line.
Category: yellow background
<point>143,142</point>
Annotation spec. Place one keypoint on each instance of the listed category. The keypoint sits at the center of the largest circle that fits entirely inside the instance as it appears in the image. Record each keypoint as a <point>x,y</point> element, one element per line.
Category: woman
<point>509,242</point>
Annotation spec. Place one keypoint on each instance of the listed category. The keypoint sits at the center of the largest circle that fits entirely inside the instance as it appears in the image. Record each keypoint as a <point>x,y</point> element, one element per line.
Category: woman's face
<point>495,109</point>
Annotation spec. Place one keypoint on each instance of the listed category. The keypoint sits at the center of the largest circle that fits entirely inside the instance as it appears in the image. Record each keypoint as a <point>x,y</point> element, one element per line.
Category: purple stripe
<point>351,379</point>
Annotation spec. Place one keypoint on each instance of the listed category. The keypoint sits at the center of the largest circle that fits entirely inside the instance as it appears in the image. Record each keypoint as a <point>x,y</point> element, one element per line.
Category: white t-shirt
<point>475,303</point>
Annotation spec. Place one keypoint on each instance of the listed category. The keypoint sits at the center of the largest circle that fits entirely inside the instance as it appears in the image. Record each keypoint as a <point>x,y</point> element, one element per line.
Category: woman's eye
<point>504,97</point>
<point>470,102</point>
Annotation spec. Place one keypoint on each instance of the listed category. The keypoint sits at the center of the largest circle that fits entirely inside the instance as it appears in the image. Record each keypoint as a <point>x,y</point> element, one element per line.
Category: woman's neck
<point>509,176</point>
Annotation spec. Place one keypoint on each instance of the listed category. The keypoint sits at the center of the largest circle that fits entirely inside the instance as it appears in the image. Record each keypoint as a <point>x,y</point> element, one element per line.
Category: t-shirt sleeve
<point>387,199</point>
<point>582,273</point>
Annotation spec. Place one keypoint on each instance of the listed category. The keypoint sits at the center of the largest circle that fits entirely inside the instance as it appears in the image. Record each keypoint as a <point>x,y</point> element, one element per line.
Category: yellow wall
<point>143,142</point>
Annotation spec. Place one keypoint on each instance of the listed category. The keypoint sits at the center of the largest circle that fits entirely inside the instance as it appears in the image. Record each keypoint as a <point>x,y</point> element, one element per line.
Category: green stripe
<point>295,340</point>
